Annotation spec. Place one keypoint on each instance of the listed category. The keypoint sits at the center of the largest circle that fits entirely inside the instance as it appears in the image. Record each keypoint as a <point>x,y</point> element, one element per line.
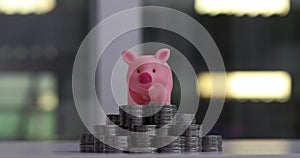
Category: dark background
<point>37,54</point>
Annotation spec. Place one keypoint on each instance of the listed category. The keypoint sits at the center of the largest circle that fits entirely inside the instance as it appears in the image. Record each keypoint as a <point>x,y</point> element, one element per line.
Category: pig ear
<point>163,54</point>
<point>128,56</point>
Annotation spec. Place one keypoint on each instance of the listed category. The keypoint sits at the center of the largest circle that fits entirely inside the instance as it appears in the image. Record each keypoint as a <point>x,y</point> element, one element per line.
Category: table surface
<point>232,148</point>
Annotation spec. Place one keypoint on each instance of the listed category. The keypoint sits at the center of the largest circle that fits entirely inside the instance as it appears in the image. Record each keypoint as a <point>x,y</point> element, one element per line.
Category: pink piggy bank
<point>149,78</point>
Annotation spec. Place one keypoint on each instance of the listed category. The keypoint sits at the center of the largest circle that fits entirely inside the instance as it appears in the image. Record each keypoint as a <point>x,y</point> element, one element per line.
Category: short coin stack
<point>150,129</point>
<point>86,142</point>
<point>191,140</point>
<point>212,143</point>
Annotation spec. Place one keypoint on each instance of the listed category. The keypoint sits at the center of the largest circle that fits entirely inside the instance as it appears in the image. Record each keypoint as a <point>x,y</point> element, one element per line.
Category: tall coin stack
<point>152,126</point>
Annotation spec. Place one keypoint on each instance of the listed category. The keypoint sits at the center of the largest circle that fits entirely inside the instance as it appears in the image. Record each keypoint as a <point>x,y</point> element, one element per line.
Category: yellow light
<point>250,85</point>
<point>205,84</point>
<point>243,7</point>
<point>48,101</point>
<point>23,7</point>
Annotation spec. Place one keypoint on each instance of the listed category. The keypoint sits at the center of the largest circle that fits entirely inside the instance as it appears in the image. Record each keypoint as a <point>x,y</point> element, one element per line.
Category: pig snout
<point>145,78</point>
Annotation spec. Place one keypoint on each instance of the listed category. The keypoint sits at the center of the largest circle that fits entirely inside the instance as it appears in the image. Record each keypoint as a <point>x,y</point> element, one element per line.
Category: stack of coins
<point>212,143</point>
<point>132,115</point>
<point>86,142</point>
<point>113,119</point>
<point>193,138</point>
<point>151,126</point>
<point>191,144</point>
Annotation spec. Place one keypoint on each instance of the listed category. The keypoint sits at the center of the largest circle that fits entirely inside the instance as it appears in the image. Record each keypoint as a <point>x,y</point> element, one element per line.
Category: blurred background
<point>258,39</point>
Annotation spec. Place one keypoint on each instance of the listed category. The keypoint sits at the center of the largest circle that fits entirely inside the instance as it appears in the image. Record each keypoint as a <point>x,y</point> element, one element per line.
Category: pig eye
<point>138,71</point>
<point>153,70</point>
